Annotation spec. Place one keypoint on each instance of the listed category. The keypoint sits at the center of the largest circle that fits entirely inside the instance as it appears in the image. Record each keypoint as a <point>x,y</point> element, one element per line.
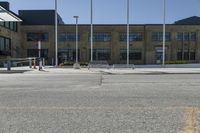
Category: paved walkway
<point>150,69</point>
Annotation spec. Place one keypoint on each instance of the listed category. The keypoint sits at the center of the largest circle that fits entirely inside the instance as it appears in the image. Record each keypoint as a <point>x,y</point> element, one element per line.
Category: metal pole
<point>56,35</point>
<point>91,32</point>
<point>39,49</point>
<point>128,32</point>
<point>39,54</point>
<point>76,17</point>
<point>164,16</point>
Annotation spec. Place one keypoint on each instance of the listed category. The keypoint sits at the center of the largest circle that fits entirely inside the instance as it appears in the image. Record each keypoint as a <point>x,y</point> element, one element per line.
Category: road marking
<point>191,125</point>
<point>122,108</point>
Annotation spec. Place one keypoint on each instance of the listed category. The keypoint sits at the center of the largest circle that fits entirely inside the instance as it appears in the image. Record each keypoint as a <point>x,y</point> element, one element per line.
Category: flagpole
<point>164,31</point>
<point>56,35</point>
<point>91,32</point>
<point>127,32</point>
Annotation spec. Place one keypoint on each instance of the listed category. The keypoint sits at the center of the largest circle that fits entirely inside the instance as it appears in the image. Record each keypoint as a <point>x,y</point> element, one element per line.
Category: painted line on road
<point>191,125</point>
<point>92,108</point>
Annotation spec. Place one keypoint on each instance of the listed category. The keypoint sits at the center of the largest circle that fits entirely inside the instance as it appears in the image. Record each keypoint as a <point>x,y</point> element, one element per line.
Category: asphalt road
<point>98,103</point>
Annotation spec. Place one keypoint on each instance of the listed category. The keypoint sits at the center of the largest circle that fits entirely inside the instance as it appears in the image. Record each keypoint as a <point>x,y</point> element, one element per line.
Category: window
<point>35,53</point>
<point>158,36</point>
<point>101,37</point>
<point>68,37</point>
<point>134,36</point>
<point>1,23</point>
<point>186,36</point>
<point>193,36</point>
<point>67,55</point>
<point>101,54</point>
<point>62,37</point>
<point>37,37</point>
<point>9,25</point>
<point>186,55</point>
<point>134,54</point>
<point>5,46</point>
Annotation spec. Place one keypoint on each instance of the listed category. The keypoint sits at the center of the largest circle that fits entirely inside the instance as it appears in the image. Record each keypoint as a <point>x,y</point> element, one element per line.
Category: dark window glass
<point>68,37</point>
<point>67,55</point>
<point>7,24</point>
<point>133,54</point>
<point>187,55</point>
<point>71,37</point>
<point>192,56</point>
<point>5,46</point>
<point>193,36</point>
<point>15,26</point>
<point>1,23</point>
<point>12,26</point>
<point>2,43</point>
<point>179,55</point>
<point>35,53</point>
<point>37,37</point>
<point>101,37</point>
<point>62,37</point>
<point>101,54</point>
<point>186,36</point>
<point>133,36</point>
<point>158,36</point>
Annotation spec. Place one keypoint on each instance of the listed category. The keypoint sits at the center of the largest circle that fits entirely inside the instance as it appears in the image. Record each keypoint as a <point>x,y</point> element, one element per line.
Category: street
<point>99,103</point>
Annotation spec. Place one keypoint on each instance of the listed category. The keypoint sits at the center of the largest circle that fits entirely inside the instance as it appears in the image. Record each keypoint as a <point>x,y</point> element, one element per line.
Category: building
<point>182,40</point>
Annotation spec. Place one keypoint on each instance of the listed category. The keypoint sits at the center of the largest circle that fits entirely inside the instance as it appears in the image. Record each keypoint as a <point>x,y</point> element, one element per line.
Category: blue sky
<point>114,11</point>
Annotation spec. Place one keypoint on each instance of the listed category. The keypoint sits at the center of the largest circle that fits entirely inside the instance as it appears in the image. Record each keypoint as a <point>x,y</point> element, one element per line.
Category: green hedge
<point>177,62</point>
<point>71,63</point>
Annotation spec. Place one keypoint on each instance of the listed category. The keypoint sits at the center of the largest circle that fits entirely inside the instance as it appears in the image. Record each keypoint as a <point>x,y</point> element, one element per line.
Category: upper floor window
<point>133,36</point>
<point>186,36</point>
<point>68,37</point>
<point>101,37</point>
<point>10,25</point>
<point>37,37</point>
<point>158,36</point>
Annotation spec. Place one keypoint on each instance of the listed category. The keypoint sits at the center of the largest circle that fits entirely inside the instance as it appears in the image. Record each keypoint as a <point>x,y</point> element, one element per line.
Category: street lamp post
<point>128,33</point>
<point>91,32</point>
<point>164,31</point>
<point>76,65</point>
<point>56,35</point>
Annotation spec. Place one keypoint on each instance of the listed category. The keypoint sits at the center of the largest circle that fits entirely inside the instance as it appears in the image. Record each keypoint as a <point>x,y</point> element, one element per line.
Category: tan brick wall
<point>147,45</point>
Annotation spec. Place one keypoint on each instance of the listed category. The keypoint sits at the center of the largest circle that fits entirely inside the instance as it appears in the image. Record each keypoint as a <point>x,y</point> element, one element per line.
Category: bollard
<point>40,64</point>
<point>43,62</point>
<point>34,63</point>
<point>8,65</point>
<point>30,63</point>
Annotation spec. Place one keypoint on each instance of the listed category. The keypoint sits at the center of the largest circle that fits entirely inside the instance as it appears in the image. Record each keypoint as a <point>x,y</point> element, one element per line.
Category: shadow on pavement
<point>13,71</point>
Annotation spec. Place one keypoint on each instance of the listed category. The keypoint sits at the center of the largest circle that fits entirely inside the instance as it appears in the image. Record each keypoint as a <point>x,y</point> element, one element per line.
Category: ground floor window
<point>5,46</point>
<point>186,55</point>
<point>35,53</point>
<point>67,55</point>
<point>134,54</point>
<point>101,54</point>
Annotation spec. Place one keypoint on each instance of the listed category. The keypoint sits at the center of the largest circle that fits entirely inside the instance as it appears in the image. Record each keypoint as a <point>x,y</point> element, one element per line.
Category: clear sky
<point>114,11</point>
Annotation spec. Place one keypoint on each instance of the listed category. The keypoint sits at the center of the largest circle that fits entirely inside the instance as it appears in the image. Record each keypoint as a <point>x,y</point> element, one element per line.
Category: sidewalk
<point>150,69</point>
